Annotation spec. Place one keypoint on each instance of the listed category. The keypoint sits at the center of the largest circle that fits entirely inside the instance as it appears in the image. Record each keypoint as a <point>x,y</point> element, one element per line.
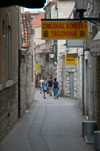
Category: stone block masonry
<point>98,91</point>
<point>8,109</point>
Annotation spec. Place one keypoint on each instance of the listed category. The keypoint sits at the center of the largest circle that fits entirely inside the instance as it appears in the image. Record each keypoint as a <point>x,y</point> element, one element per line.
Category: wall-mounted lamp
<point>66,48</point>
<point>52,54</point>
<point>81,6</point>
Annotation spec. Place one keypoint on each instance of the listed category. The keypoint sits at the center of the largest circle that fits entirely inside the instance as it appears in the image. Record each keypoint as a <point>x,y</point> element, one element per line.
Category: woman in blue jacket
<point>55,88</point>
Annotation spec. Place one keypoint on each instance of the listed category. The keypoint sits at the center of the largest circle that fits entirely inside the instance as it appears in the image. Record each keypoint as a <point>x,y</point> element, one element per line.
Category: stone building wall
<point>30,83</point>
<point>27,83</point>
<point>64,10</point>
<point>92,70</point>
<point>8,109</point>
<point>53,12</point>
<point>96,96</point>
<point>96,72</point>
<point>23,84</point>
<point>37,35</point>
<point>66,80</point>
<point>60,65</point>
<point>80,80</point>
<point>8,85</point>
<point>27,78</point>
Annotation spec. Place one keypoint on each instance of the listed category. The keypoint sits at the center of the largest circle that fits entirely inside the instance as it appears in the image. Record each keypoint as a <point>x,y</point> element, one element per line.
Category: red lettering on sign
<point>44,26</point>
<point>75,34</point>
<point>76,25</point>
<point>64,33</point>
<point>53,26</point>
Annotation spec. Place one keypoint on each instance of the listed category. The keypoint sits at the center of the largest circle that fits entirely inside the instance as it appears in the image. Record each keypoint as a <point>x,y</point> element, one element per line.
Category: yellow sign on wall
<point>37,66</point>
<point>64,30</point>
<point>70,59</point>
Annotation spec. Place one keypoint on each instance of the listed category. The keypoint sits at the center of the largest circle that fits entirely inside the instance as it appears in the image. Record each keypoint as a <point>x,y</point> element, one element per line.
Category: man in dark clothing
<point>50,86</point>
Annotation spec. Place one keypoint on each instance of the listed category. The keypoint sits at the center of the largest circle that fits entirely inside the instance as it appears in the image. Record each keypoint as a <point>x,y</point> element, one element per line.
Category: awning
<point>97,37</point>
<point>24,3</point>
<point>95,46</point>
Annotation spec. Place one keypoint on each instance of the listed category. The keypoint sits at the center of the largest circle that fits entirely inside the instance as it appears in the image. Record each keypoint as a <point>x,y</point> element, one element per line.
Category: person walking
<point>55,88</point>
<point>41,81</point>
<point>48,87</point>
<point>50,82</point>
<point>45,86</point>
<point>36,83</point>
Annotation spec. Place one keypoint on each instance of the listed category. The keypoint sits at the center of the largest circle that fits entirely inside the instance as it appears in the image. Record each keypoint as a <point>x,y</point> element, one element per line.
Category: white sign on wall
<point>75,43</point>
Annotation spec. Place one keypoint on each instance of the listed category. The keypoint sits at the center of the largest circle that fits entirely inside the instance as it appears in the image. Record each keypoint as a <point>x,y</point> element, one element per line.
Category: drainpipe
<point>83,83</point>
<point>57,13</point>
<point>19,63</point>
<point>57,7</point>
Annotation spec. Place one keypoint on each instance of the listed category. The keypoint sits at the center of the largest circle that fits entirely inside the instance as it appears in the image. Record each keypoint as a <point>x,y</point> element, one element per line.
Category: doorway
<point>71,84</point>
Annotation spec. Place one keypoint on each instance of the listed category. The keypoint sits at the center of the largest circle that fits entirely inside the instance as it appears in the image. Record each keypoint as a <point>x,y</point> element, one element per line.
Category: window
<point>48,14</point>
<point>3,27</point>
<point>8,53</point>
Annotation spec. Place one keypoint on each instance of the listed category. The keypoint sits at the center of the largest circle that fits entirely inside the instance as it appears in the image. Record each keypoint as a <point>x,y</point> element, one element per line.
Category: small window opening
<point>3,24</point>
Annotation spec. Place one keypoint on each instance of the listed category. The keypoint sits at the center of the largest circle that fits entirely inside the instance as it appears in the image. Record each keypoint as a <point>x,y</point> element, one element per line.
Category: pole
<point>83,83</point>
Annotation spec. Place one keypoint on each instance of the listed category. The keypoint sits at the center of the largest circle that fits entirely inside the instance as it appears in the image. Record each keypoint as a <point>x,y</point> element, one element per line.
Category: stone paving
<point>49,125</point>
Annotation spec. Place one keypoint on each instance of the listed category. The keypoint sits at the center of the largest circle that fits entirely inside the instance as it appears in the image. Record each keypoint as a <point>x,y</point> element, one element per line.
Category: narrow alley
<point>49,125</point>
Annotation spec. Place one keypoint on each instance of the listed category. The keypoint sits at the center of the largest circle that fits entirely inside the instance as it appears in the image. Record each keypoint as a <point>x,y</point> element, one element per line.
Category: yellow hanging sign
<point>37,66</point>
<point>64,30</point>
<point>70,59</point>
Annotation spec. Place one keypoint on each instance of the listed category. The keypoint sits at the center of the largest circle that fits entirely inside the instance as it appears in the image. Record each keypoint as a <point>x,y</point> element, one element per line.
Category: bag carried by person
<point>44,88</point>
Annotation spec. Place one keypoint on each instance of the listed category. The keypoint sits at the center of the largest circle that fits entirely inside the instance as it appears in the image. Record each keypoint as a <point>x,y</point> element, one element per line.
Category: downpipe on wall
<point>83,83</point>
